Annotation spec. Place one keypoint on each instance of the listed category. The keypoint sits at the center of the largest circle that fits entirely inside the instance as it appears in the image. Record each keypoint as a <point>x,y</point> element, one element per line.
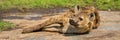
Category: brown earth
<point>108,30</point>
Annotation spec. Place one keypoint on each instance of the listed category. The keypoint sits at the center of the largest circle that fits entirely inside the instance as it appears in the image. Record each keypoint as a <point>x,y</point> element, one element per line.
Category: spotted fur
<point>62,19</point>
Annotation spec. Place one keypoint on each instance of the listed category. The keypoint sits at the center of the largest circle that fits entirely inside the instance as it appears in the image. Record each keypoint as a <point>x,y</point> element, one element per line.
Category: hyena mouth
<point>72,22</point>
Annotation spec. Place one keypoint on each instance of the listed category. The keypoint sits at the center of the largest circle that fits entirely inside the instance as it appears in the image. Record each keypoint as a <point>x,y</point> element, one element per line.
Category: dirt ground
<point>108,30</point>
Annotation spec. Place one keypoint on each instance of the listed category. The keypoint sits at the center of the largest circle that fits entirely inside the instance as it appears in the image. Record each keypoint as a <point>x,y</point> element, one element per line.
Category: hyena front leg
<point>65,25</point>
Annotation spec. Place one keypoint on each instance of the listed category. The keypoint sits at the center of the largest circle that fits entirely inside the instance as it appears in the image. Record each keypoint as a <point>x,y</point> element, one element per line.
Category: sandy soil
<point>108,30</point>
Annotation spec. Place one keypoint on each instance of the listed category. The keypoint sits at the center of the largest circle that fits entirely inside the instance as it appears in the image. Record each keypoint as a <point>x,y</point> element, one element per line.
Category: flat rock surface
<point>108,30</point>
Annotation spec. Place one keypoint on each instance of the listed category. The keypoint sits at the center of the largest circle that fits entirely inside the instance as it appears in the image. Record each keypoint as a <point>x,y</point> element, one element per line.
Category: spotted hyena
<point>65,20</point>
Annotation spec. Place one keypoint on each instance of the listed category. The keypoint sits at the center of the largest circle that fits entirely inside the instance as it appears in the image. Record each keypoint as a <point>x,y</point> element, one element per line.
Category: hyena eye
<point>80,18</point>
<point>91,15</point>
<point>74,15</point>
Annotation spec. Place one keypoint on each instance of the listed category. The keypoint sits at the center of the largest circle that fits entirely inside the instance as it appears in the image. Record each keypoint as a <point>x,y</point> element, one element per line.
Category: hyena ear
<point>92,8</point>
<point>77,8</point>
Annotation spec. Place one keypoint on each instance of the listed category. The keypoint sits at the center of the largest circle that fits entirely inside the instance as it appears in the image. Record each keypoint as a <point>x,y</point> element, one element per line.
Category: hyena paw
<point>62,31</point>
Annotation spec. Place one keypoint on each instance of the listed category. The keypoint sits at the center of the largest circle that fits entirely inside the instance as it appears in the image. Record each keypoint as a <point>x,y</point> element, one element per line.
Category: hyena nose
<point>72,22</point>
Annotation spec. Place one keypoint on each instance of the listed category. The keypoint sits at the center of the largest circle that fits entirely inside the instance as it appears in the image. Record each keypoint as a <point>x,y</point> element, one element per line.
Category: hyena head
<point>90,11</point>
<point>81,19</point>
<point>93,14</point>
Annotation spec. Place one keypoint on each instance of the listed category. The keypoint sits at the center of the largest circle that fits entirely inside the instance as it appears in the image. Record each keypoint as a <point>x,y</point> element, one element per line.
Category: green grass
<point>31,4</point>
<point>6,25</point>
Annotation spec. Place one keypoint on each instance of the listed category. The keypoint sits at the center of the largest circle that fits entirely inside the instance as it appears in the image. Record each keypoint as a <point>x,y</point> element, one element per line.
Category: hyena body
<point>63,20</point>
<point>79,20</point>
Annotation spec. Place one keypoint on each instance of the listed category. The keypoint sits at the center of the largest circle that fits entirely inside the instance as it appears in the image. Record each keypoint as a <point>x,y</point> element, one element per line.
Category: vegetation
<point>5,25</point>
<point>29,4</point>
<point>19,4</point>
